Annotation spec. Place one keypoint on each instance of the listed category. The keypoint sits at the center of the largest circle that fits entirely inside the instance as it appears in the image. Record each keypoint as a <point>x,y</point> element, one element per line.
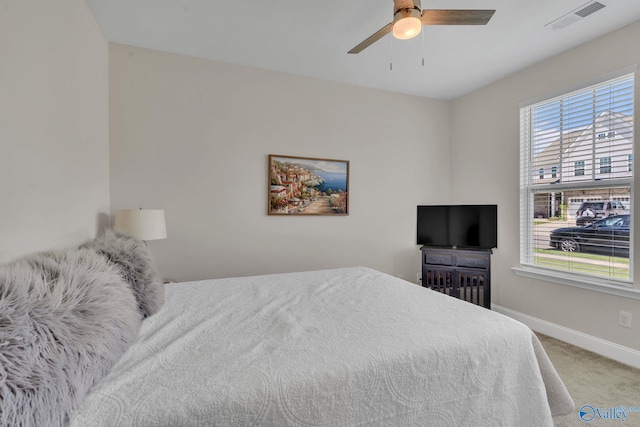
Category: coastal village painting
<point>308,186</point>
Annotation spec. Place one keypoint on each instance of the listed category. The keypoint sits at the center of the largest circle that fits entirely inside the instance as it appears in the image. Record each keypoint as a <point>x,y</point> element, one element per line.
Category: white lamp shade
<point>145,224</point>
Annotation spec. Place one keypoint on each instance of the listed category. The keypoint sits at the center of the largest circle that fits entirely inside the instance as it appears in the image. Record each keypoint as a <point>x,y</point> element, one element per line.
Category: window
<point>586,139</point>
<point>541,173</point>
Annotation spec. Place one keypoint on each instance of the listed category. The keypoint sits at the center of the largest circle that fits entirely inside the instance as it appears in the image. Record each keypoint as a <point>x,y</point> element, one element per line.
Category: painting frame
<point>307,186</point>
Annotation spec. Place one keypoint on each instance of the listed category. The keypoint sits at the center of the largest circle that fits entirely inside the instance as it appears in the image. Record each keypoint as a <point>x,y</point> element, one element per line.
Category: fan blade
<point>373,38</point>
<point>456,17</point>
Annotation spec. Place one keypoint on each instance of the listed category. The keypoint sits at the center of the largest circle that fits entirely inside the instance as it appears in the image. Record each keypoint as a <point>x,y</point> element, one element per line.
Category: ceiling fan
<point>408,20</point>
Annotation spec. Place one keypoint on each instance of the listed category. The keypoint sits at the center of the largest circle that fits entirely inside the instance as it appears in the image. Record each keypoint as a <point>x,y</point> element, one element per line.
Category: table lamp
<point>145,224</point>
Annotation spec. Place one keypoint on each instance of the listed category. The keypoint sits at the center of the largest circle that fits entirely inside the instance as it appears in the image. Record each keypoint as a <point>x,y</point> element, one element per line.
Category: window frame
<point>605,284</point>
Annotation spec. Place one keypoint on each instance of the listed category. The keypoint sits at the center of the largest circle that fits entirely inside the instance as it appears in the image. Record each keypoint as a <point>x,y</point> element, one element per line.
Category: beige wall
<point>485,149</point>
<point>53,125</point>
<point>192,137</point>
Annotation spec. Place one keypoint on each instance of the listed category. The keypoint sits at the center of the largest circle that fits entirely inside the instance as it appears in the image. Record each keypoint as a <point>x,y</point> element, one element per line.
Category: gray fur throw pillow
<point>133,260</point>
<point>65,319</point>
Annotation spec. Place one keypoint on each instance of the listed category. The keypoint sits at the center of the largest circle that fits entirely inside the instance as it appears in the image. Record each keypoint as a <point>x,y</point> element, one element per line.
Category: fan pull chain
<point>391,55</point>
<point>422,35</point>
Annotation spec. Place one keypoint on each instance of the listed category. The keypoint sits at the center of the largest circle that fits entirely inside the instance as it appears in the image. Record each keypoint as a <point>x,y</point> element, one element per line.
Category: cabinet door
<point>473,286</point>
<point>438,279</point>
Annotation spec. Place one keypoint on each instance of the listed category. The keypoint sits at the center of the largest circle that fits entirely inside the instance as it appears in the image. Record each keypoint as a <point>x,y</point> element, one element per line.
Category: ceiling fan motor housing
<point>400,10</point>
<point>406,13</point>
<point>399,5</point>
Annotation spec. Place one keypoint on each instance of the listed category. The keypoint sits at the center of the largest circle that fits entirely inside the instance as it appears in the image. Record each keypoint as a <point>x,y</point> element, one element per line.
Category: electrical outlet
<point>624,319</point>
<point>419,278</point>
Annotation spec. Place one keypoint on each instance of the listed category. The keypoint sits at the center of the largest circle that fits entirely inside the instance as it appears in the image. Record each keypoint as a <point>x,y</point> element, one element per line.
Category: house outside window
<point>603,135</point>
<point>586,139</point>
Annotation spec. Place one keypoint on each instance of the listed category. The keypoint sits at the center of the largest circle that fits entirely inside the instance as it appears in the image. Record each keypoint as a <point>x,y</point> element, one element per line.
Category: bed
<point>342,347</point>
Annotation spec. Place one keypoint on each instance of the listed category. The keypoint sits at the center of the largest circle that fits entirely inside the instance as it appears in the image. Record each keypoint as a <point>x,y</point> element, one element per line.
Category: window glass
<point>577,219</point>
<point>605,165</point>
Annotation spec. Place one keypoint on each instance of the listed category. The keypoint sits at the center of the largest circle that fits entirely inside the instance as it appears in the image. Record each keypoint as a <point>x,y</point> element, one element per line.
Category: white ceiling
<point>311,38</point>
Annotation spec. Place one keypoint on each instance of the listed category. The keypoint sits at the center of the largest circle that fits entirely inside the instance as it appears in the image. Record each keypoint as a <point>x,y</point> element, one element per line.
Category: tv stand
<point>460,273</point>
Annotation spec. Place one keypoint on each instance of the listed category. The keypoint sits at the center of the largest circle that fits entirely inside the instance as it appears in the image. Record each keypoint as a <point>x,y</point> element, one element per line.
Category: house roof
<point>569,141</point>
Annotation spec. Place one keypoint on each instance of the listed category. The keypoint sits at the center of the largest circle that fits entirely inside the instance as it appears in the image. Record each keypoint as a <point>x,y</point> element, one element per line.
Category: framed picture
<point>307,186</point>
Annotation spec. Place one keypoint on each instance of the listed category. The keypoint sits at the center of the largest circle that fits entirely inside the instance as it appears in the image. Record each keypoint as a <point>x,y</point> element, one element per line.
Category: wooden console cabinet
<point>460,273</point>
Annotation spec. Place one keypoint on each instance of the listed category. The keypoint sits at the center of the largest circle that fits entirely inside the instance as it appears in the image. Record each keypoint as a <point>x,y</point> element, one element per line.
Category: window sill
<point>564,279</point>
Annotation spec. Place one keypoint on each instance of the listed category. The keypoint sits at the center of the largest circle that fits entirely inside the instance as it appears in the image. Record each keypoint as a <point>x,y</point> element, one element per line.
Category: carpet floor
<point>603,388</point>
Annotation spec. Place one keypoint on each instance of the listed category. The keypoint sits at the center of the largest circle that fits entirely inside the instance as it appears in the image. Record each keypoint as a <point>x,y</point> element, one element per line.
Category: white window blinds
<point>576,157</point>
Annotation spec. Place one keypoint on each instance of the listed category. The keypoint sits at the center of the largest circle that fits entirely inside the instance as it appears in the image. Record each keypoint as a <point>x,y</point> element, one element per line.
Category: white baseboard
<point>614,351</point>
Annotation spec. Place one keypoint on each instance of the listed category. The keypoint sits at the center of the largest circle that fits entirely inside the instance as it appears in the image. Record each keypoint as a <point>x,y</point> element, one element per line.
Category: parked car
<point>609,235</point>
<point>592,211</point>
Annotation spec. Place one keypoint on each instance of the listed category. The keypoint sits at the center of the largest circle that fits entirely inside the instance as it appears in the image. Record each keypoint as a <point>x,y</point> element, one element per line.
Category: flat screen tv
<point>458,226</point>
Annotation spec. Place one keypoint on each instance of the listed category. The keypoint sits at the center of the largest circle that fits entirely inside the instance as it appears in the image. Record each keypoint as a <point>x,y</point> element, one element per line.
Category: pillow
<point>133,260</point>
<point>65,319</point>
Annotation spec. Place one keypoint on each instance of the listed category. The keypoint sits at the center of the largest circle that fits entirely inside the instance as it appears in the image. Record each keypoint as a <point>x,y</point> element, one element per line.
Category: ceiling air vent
<point>576,15</point>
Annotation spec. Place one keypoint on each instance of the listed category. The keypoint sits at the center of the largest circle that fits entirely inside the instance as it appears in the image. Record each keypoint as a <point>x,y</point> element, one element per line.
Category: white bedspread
<point>327,348</point>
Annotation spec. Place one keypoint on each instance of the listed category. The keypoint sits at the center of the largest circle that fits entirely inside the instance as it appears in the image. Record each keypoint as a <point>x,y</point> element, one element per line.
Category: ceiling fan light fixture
<point>407,24</point>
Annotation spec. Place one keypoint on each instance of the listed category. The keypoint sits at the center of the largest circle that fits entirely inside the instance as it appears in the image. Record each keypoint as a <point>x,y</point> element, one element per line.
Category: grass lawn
<point>600,265</point>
